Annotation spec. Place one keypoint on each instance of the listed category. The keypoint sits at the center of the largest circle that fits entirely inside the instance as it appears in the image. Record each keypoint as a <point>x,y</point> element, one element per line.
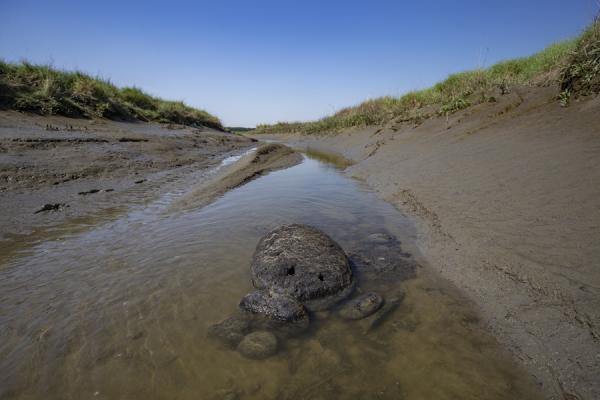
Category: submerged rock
<point>231,330</point>
<point>276,312</point>
<point>362,306</point>
<point>258,345</point>
<point>375,320</point>
<point>274,305</point>
<point>380,238</point>
<point>304,263</point>
<point>381,255</point>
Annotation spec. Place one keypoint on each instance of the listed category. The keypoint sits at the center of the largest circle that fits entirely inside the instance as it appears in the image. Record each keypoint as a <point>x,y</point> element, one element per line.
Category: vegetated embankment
<point>45,90</point>
<point>504,184</point>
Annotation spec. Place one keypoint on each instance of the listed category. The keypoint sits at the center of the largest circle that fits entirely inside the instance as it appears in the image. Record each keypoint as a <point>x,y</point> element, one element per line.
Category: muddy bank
<point>266,158</point>
<point>55,170</point>
<point>506,196</point>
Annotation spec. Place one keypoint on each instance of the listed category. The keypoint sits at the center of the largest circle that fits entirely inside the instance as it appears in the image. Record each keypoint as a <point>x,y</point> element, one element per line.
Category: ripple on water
<point>122,310</point>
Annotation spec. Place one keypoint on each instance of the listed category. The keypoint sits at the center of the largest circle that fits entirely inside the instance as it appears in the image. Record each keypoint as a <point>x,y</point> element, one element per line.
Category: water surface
<point>121,311</point>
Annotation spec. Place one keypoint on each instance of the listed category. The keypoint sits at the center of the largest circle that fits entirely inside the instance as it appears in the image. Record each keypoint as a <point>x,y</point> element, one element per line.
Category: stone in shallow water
<point>258,345</point>
<point>276,312</point>
<point>362,306</point>
<point>302,262</point>
<point>375,320</point>
<point>381,256</point>
<point>231,330</point>
<point>274,305</point>
<point>380,238</point>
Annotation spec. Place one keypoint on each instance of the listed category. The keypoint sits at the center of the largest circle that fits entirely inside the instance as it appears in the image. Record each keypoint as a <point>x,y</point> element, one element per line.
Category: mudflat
<point>55,170</point>
<point>268,157</point>
<point>506,196</point>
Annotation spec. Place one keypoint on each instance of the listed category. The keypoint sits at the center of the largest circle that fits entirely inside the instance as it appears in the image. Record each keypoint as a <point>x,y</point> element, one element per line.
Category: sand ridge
<point>266,158</point>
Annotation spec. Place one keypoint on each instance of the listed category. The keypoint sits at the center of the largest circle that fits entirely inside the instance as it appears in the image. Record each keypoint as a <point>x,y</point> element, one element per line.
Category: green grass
<point>45,90</point>
<point>572,64</point>
<point>238,129</point>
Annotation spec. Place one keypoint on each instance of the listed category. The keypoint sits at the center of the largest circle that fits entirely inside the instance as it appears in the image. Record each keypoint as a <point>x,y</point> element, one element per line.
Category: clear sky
<point>253,61</point>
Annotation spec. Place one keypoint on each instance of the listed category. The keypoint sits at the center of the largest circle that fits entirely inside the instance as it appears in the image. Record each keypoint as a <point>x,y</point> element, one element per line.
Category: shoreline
<point>266,158</point>
<point>504,201</point>
<point>59,175</point>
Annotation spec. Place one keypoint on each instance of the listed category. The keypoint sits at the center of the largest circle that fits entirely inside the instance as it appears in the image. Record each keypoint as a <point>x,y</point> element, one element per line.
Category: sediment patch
<point>267,158</point>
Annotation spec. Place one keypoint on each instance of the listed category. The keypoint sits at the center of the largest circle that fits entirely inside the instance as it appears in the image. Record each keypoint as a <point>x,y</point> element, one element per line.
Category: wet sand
<point>506,197</point>
<point>58,172</point>
<point>266,158</point>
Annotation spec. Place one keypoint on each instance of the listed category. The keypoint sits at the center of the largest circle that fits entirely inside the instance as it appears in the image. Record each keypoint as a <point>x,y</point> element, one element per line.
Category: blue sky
<point>258,61</point>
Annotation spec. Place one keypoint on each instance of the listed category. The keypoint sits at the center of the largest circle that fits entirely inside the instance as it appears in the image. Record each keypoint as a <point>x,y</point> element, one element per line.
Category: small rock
<point>381,256</point>
<point>230,331</point>
<point>274,305</point>
<point>362,306</point>
<point>50,207</point>
<point>375,320</point>
<point>385,260</point>
<point>140,181</point>
<point>380,238</point>
<point>258,345</point>
<point>276,312</point>
<point>89,192</point>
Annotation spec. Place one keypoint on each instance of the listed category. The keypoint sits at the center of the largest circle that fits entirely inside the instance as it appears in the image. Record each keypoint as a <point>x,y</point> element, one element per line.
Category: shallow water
<point>121,311</point>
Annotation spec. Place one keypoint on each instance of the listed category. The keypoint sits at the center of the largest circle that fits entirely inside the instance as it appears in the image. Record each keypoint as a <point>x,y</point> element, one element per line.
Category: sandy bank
<point>268,157</point>
<point>83,169</point>
<point>507,199</point>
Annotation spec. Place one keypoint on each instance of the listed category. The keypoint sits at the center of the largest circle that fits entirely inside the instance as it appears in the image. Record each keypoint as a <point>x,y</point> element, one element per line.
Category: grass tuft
<point>44,90</point>
<point>581,75</point>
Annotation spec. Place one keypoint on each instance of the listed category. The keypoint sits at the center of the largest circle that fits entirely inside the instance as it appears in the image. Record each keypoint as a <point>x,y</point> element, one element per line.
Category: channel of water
<point>121,310</point>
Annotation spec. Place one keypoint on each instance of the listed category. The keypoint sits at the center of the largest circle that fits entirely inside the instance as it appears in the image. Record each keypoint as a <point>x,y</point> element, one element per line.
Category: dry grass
<point>581,76</point>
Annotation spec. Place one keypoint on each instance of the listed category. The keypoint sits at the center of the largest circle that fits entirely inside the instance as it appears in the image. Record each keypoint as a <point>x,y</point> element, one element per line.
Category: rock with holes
<point>362,306</point>
<point>302,262</point>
